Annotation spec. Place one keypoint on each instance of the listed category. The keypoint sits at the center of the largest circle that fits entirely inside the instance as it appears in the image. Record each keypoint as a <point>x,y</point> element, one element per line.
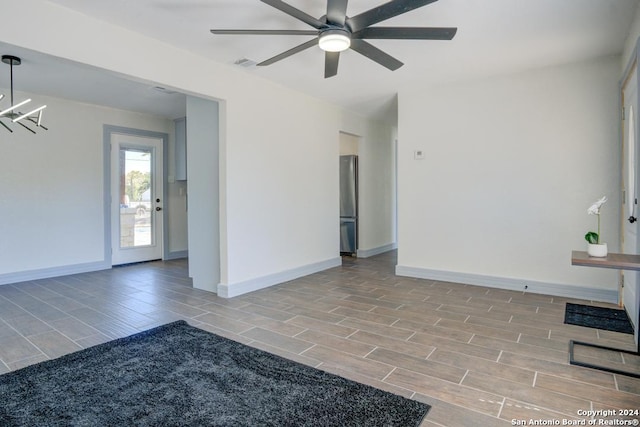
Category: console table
<point>619,262</point>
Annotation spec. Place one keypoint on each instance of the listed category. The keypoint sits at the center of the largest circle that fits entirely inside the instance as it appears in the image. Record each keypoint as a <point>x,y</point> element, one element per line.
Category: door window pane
<point>136,219</point>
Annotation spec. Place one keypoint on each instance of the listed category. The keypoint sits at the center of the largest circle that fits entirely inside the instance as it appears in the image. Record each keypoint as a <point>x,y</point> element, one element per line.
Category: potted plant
<point>594,246</point>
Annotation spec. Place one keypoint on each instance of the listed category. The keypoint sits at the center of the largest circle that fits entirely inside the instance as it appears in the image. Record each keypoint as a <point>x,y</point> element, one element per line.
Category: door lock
<point>158,208</point>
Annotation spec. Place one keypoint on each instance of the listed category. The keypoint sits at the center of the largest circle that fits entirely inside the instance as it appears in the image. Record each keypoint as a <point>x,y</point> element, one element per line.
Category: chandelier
<point>11,114</point>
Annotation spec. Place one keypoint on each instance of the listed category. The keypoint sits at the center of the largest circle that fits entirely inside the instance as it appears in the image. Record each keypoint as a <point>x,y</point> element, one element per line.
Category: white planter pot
<point>597,250</point>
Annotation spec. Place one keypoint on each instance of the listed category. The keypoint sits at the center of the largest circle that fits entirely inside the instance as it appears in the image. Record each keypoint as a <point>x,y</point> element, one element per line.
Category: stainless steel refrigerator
<point>348,205</point>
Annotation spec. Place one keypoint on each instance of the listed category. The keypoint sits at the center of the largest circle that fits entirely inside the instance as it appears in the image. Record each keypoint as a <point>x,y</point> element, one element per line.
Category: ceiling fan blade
<point>331,64</point>
<point>269,32</point>
<point>375,54</point>
<point>290,52</point>
<point>337,12</point>
<point>406,33</point>
<point>384,12</point>
<point>296,13</point>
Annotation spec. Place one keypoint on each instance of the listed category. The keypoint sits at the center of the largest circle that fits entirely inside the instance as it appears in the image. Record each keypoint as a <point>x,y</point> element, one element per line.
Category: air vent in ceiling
<point>245,62</point>
<point>164,90</point>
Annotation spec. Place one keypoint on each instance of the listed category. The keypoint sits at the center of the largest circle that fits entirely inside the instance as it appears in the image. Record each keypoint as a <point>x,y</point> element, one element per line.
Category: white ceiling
<point>47,75</point>
<point>494,37</point>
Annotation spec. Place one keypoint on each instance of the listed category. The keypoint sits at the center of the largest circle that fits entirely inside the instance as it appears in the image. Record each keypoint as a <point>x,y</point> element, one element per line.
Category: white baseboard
<point>177,255</point>
<point>578,292</point>
<point>229,290</point>
<point>44,273</point>
<point>366,253</point>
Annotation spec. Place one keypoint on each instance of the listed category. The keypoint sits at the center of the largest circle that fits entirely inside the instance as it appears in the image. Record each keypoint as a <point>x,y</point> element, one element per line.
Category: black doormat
<point>608,319</point>
<point>178,375</point>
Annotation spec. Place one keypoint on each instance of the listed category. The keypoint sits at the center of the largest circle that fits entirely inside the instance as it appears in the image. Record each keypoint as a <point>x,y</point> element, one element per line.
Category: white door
<point>136,198</point>
<point>630,182</point>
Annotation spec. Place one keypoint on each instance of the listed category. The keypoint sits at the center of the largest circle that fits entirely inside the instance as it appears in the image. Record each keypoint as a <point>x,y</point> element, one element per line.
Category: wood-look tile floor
<point>480,356</point>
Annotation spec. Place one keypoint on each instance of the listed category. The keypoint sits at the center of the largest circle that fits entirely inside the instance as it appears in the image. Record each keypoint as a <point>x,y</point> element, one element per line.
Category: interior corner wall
<point>511,165</point>
<point>631,41</point>
<point>51,204</point>
<point>203,142</point>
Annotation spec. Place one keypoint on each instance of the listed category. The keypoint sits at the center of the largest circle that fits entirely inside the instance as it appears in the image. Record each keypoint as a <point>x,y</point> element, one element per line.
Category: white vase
<point>597,250</point>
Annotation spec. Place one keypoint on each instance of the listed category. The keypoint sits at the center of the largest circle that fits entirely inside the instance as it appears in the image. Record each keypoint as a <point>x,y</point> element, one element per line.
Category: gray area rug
<point>179,375</point>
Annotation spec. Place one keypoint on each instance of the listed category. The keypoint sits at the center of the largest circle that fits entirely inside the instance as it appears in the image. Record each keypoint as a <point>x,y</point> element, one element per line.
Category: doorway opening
<point>629,296</point>
<point>349,194</point>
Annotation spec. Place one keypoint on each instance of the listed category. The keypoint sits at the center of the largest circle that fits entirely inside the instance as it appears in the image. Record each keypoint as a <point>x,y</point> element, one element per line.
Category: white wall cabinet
<point>181,149</point>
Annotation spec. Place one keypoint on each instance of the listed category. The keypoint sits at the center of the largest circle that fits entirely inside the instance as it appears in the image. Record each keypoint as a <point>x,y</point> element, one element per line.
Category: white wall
<point>281,208</point>
<point>51,202</point>
<point>631,41</point>
<point>377,171</point>
<point>512,163</point>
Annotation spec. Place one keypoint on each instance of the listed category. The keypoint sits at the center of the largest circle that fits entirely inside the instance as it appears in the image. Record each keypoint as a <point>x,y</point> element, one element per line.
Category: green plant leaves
<point>591,237</point>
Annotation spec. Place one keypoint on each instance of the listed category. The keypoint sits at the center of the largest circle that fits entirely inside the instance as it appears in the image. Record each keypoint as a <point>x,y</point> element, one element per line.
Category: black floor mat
<point>608,319</point>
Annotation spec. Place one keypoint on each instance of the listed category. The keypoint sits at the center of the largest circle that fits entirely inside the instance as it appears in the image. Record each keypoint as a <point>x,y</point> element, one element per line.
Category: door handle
<point>158,208</point>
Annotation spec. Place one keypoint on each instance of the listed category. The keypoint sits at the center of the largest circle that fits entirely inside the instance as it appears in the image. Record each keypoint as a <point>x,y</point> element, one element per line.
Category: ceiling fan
<point>336,32</point>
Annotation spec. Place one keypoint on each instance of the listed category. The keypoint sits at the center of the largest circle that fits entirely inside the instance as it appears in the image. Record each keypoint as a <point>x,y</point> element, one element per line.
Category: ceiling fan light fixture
<point>24,116</point>
<point>334,40</point>
<point>334,31</point>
